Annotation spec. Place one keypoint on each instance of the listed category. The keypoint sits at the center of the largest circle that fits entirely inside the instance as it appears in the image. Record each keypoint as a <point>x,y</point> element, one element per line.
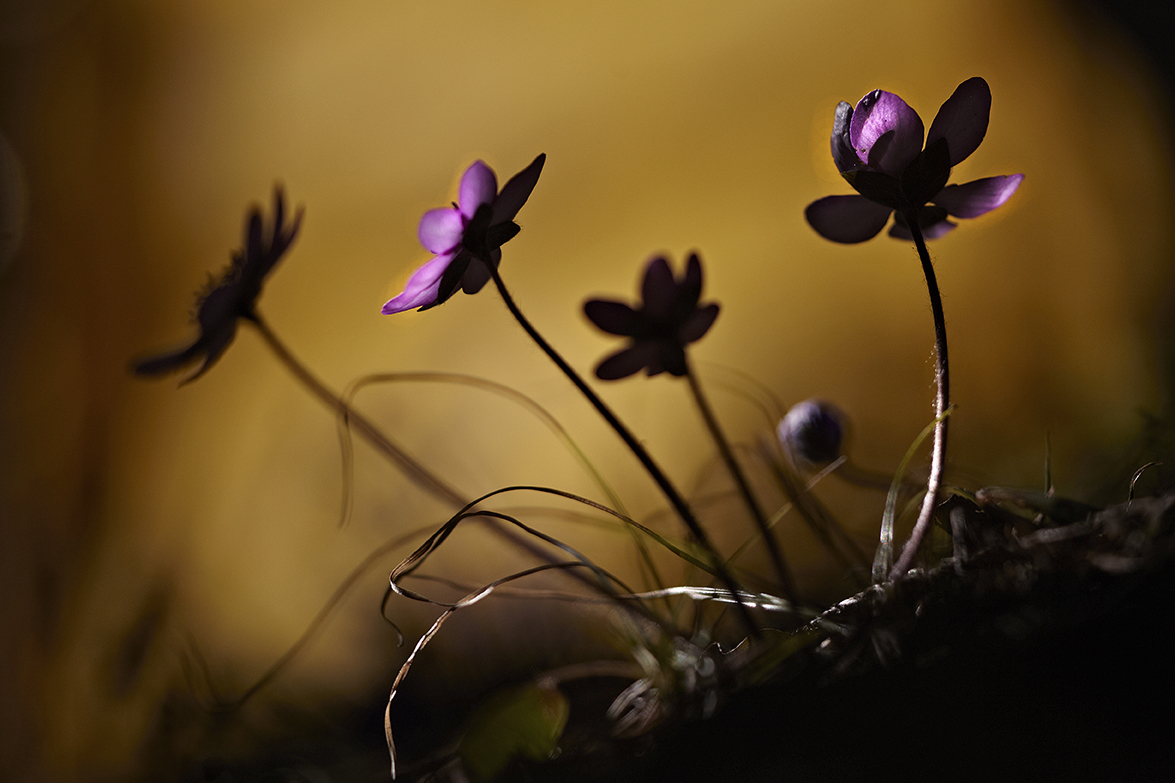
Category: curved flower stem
<point>679,504</point>
<point>420,475</point>
<point>942,401</point>
<point>744,488</point>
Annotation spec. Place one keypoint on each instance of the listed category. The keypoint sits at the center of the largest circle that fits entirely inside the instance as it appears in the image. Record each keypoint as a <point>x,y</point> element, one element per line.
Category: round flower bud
<point>812,432</point>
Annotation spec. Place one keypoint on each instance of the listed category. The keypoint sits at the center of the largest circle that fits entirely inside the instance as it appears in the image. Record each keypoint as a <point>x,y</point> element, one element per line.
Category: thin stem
<point>744,488</point>
<point>942,401</point>
<point>678,502</point>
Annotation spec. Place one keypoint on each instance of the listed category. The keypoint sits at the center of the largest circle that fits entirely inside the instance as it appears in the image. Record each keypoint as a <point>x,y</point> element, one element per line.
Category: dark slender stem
<point>662,481</point>
<point>782,572</point>
<point>942,401</point>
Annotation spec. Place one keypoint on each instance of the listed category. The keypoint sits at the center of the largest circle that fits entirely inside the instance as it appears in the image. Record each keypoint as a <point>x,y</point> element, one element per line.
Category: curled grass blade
<point>533,407</point>
<point>467,601</point>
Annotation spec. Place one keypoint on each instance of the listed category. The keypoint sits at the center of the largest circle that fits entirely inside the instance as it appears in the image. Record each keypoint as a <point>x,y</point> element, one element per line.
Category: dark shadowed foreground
<point>1041,650</point>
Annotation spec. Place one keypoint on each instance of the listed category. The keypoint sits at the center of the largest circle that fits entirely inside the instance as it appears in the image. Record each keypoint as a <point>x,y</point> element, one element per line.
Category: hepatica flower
<point>467,237</point>
<point>668,320</point>
<point>233,295</point>
<point>878,148</point>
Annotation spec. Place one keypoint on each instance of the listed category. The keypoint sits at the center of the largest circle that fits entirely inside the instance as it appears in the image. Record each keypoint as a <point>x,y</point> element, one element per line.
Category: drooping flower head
<point>233,295</point>
<point>668,319</point>
<point>467,237</point>
<point>878,148</point>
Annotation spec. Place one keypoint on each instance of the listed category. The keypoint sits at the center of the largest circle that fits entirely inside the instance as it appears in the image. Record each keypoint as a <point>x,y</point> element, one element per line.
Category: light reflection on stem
<point>942,401</point>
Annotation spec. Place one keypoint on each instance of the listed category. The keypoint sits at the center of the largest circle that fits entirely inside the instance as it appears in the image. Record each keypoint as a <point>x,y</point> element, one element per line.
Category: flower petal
<point>515,192</point>
<point>846,219</point>
<point>697,324</point>
<point>478,274</point>
<point>254,242</point>
<point>478,186</point>
<point>613,317</point>
<point>690,289</point>
<point>962,120</point>
<point>885,132</point>
<point>843,153</point>
<point>933,231</point>
<point>169,362</point>
<point>421,288</point>
<point>441,230</point>
<point>976,198</point>
<point>213,345</point>
<point>626,362</point>
<point>658,289</point>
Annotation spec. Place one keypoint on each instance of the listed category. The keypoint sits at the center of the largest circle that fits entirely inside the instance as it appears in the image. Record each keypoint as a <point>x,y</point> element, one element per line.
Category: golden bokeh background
<point>136,133</point>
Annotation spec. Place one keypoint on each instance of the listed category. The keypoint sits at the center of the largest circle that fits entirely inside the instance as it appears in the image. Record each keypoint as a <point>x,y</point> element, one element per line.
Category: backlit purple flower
<point>231,296</point>
<point>877,147</point>
<point>467,237</point>
<point>667,321</point>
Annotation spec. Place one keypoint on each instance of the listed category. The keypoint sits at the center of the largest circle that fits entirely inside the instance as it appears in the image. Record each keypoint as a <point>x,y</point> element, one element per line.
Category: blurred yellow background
<point>138,132</point>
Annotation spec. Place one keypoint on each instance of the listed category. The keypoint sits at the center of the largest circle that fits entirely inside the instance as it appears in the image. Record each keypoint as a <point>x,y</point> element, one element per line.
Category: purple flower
<point>231,296</point>
<point>877,147</point>
<point>467,237</point>
<point>668,320</point>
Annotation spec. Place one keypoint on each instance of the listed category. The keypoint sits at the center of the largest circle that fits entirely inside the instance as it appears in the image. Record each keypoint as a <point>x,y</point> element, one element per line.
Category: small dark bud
<point>812,432</point>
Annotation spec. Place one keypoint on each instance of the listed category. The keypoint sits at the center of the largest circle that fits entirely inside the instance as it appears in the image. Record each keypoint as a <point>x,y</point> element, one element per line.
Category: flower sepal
<point>927,174</point>
<point>877,187</point>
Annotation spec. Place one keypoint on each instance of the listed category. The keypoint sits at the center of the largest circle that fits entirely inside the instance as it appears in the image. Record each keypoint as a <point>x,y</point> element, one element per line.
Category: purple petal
<point>168,362</point>
<point>698,323</point>
<point>933,231</point>
<point>962,120</point>
<point>421,288</point>
<point>517,191</point>
<point>213,345</point>
<point>885,132</point>
<point>254,243</point>
<point>976,198</point>
<point>477,274</point>
<point>843,153</point>
<point>847,219</point>
<point>690,290</point>
<point>627,362</point>
<point>612,317</point>
<point>441,230</point>
<point>658,288</point>
<point>478,186</point>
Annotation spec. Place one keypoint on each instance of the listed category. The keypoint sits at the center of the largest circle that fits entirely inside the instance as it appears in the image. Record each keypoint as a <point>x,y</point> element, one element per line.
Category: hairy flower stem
<point>942,401</point>
<point>783,573</point>
<point>679,504</point>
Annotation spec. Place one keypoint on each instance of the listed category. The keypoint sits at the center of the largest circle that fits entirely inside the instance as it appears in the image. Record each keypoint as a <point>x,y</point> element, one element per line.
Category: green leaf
<point>514,723</point>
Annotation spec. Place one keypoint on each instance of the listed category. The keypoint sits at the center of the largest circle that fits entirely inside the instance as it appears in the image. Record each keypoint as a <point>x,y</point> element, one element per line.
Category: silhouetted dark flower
<point>466,236</point>
<point>233,294</point>
<point>812,432</point>
<point>667,321</point>
<point>878,149</point>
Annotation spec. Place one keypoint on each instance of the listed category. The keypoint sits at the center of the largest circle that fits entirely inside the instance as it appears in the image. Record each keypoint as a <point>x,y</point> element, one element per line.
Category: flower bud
<point>812,432</point>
